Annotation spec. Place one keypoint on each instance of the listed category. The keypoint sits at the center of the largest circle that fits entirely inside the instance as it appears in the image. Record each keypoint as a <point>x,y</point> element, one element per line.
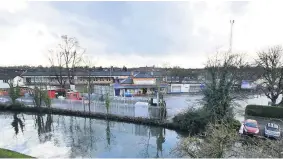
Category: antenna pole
<point>231,35</point>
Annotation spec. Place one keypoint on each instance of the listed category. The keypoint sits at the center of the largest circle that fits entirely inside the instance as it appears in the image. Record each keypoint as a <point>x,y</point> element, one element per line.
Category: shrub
<point>214,143</point>
<point>234,124</point>
<point>264,111</point>
<point>193,120</point>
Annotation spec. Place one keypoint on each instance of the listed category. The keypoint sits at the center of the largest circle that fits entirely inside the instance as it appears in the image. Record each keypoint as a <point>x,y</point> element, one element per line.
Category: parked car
<point>250,127</point>
<point>5,100</point>
<point>272,130</point>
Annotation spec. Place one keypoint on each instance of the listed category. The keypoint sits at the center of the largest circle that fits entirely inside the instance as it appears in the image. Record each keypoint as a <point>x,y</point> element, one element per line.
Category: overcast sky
<point>138,33</point>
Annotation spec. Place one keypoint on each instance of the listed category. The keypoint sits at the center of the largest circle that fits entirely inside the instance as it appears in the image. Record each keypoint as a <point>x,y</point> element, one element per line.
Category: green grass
<point>4,153</point>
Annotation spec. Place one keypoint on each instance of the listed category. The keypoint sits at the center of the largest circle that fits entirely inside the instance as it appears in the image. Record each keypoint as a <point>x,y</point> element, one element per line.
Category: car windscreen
<point>250,124</point>
<point>272,128</point>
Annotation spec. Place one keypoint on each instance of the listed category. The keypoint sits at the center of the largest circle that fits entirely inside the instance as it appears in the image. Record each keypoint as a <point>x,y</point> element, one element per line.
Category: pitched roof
<point>9,75</point>
<point>142,75</point>
<point>64,73</point>
<point>128,80</point>
<point>108,73</point>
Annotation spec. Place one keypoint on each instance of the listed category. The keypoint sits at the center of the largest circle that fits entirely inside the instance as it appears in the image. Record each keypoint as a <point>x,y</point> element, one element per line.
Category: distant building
<point>137,84</point>
<point>6,78</point>
<point>185,88</point>
<point>81,78</point>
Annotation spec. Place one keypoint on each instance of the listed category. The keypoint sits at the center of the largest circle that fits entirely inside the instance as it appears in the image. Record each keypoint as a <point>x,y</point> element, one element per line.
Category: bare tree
<point>271,61</point>
<point>57,66</point>
<point>65,58</point>
<point>89,65</point>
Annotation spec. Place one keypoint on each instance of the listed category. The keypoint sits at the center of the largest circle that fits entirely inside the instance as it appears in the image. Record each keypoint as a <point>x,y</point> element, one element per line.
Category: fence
<point>117,108</point>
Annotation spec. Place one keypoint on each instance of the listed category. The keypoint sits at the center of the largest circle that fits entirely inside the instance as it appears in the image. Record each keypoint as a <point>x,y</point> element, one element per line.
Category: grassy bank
<point>264,111</point>
<point>4,153</point>
<point>96,115</point>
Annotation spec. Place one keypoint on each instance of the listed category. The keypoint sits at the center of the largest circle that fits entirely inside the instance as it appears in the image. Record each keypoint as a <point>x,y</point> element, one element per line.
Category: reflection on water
<point>43,124</point>
<point>17,122</point>
<point>61,136</point>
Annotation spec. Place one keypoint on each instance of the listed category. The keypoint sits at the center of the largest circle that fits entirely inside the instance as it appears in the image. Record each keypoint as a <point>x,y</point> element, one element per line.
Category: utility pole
<point>231,35</point>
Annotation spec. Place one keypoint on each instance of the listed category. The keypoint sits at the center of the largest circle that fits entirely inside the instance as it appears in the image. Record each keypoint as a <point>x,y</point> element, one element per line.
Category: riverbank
<point>57,111</point>
<point>4,153</point>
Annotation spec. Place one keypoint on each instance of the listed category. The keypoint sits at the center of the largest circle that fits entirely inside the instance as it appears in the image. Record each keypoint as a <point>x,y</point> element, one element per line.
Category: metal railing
<point>116,108</point>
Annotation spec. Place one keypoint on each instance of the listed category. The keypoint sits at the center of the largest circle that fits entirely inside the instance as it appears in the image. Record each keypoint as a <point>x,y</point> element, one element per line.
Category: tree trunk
<point>273,101</point>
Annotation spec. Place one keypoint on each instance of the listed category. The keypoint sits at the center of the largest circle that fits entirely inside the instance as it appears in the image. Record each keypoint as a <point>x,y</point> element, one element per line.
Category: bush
<point>193,120</point>
<point>264,111</point>
<point>234,124</point>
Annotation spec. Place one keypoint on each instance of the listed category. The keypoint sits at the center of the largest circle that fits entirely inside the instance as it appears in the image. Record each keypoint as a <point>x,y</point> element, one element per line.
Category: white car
<point>272,130</point>
<point>5,101</point>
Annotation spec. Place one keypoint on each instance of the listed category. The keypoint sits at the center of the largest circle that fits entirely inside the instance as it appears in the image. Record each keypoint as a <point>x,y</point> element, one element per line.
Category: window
<point>251,124</point>
<point>5,81</point>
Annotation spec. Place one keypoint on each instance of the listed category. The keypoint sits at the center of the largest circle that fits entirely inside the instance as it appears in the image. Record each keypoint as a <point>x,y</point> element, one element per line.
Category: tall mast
<point>231,35</point>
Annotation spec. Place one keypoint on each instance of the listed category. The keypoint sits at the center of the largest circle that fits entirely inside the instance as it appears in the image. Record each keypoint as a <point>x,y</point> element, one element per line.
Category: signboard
<point>144,81</point>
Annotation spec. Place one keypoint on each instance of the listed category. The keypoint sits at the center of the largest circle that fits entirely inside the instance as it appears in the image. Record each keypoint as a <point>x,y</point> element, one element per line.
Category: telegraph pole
<point>231,35</point>
<point>158,90</point>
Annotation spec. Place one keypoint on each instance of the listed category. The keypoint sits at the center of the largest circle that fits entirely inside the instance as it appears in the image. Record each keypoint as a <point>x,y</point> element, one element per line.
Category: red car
<point>251,127</point>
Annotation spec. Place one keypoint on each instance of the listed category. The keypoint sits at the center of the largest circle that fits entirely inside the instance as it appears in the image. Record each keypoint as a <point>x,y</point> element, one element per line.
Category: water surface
<point>62,136</point>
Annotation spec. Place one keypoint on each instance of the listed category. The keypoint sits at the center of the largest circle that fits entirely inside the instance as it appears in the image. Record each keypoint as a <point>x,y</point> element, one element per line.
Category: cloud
<point>138,33</point>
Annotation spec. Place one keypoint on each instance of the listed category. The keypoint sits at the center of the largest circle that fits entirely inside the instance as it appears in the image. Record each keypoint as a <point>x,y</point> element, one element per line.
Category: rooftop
<point>9,75</point>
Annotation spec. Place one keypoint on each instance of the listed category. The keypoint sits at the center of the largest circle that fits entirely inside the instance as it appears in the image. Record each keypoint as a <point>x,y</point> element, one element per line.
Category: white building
<point>4,82</point>
<point>185,88</point>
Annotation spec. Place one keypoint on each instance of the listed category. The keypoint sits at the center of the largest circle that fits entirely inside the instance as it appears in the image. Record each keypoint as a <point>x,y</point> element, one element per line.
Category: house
<point>14,77</point>
<point>6,78</point>
<point>138,84</point>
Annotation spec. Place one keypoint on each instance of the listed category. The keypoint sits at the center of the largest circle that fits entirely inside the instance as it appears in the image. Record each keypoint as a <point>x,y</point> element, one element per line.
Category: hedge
<point>264,111</point>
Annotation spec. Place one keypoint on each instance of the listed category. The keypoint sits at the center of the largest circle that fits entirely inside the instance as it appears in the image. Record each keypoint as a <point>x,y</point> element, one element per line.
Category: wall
<point>195,88</point>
